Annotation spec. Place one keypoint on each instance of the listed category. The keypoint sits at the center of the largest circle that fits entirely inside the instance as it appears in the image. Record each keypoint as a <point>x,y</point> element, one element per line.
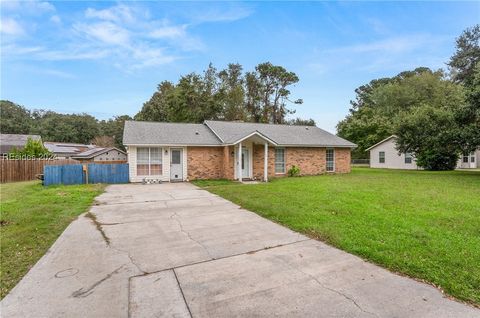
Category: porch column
<point>239,169</point>
<point>265,163</point>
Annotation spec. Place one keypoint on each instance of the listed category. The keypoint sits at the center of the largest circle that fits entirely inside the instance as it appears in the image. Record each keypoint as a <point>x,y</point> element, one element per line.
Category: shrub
<point>293,171</point>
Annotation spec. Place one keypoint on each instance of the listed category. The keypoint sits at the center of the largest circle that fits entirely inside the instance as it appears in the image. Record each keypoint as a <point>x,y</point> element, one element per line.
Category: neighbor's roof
<point>381,142</point>
<point>95,152</point>
<point>284,135</point>
<point>154,133</point>
<point>66,148</point>
<point>8,141</point>
<point>227,133</point>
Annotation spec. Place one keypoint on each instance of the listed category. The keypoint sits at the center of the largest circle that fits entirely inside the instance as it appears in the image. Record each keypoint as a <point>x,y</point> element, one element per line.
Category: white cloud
<point>124,35</point>
<point>119,14</point>
<point>31,7</point>
<point>57,73</point>
<point>10,26</point>
<point>232,13</point>
<point>105,32</point>
<point>168,32</point>
<point>55,19</point>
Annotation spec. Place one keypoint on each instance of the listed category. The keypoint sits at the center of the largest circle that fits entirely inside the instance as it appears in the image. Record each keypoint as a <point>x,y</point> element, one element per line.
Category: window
<point>149,161</point>
<point>472,157</point>
<point>330,154</point>
<point>279,160</point>
<point>408,158</point>
<point>465,158</point>
<point>381,157</point>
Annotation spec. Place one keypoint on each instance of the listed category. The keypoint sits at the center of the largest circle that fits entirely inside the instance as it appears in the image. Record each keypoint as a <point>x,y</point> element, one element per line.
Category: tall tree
<point>14,119</point>
<point>371,117</point>
<point>232,93</point>
<point>273,81</point>
<point>467,56</point>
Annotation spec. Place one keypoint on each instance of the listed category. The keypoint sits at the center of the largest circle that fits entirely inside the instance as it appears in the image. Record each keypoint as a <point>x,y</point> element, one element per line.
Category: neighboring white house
<point>385,155</point>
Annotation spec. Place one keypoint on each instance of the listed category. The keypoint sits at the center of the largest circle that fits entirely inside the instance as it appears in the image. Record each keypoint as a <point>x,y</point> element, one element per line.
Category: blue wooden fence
<point>108,173</point>
<point>95,173</point>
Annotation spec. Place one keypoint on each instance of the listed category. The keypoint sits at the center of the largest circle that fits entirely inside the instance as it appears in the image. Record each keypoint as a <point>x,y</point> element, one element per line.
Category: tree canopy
<point>436,116</point>
<point>52,126</point>
<point>261,95</point>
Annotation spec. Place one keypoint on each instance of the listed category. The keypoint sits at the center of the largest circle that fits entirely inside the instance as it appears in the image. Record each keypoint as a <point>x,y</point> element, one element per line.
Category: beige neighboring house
<point>385,155</point>
<point>230,150</point>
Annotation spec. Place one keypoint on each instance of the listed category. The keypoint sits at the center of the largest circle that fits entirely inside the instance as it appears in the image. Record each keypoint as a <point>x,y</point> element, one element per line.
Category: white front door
<point>176,165</point>
<point>245,163</point>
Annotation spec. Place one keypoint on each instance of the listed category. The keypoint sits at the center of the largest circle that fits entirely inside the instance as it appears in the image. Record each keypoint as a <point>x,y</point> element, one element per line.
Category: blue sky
<point>106,58</point>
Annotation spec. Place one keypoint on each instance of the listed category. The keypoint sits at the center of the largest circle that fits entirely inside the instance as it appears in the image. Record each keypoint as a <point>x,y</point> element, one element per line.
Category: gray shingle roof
<point>223,132</point>
<point>155,133</point>
<point>95,152</point>
<point>66,147</point>
<point>285,135</point>
<point>8,141</point>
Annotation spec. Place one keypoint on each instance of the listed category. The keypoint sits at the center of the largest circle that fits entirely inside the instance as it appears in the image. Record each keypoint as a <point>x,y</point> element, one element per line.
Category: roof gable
<point>381,142</point>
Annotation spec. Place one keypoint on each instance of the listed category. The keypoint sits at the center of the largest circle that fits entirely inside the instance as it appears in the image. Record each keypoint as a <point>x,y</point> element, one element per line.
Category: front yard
<point>32,217</point>
<point>422,224</point>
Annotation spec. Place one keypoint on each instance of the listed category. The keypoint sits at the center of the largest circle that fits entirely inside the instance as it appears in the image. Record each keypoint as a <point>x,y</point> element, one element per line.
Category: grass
<point>32,217</point>
<point>422,224</point>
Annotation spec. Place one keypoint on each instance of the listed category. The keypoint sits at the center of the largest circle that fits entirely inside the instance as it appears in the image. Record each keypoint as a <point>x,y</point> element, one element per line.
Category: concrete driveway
<point>173,250</point>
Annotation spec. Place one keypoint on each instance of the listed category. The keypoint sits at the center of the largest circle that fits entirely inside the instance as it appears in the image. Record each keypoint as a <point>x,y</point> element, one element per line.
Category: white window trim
<point>326,161</point>
<point>406,157</point>
<point>284,161</point>
<point>149,162</point>
<point>379,157</point>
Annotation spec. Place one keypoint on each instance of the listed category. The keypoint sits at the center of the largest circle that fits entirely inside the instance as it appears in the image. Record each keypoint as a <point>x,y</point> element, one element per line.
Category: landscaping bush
<point>293,171</point>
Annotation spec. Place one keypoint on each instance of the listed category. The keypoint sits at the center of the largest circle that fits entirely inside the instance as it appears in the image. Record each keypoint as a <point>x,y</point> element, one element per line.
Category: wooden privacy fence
<point>86,173</point>
<point>24,170</point>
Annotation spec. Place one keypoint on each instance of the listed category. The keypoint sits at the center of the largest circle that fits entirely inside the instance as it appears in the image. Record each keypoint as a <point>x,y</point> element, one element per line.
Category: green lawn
<point>423,224</point>
<point>32,217</point>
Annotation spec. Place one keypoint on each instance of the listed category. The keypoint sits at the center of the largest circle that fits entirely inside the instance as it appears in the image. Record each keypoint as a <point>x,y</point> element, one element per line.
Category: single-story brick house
<point>215,149</point>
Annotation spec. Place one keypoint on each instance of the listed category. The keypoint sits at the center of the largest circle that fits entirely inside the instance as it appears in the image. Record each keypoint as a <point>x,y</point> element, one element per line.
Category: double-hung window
<point>149,161</point>
<point>465,157</point>
<point>330,158</point>
<point>408,158</point>
<point>381,157</point>
<point>279,160</point>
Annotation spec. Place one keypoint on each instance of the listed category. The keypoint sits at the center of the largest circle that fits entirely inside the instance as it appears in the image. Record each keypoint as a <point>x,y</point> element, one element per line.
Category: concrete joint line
<point>181,291</point>
<point>146,201</point>
<point>220,258</point>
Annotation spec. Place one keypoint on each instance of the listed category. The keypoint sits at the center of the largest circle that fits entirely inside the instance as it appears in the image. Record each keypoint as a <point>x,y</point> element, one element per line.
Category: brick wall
<point>259,162</point>
<point>218,162</point>
<point>205,162</point>
<point>311,161</point>
<point>342,160</point>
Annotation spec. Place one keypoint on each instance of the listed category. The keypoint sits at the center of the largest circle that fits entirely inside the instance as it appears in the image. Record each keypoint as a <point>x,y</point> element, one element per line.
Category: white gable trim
<point>381,142</point>
<point>255,133</point>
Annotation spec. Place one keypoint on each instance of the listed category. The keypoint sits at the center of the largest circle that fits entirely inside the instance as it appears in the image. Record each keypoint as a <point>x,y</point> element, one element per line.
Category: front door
<point>176,165</point>
<point>245,163</point>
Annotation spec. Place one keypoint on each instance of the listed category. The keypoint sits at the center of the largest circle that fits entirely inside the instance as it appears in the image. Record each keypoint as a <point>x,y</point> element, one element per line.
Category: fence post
<point>85,170</point>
